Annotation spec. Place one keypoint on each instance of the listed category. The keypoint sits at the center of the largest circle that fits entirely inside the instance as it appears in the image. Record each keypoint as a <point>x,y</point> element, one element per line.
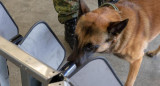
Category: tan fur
<point>143,26</point>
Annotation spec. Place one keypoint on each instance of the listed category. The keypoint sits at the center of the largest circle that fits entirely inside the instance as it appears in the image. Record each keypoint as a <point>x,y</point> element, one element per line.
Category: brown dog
<point>126,32</point>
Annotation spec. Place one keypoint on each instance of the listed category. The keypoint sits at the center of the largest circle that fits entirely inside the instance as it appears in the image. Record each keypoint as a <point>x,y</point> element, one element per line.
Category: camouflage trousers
<point>68,9</point>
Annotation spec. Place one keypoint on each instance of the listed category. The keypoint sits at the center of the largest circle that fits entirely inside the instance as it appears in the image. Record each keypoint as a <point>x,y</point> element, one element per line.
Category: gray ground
<point>27,12</point>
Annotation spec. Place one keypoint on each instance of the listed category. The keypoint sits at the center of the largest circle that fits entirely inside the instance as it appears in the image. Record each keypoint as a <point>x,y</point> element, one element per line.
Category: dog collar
<point>112,5</point>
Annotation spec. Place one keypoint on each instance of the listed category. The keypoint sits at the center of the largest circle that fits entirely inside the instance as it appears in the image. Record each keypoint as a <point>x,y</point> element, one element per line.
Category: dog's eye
<point>89,47</point>
<point>108,40</point>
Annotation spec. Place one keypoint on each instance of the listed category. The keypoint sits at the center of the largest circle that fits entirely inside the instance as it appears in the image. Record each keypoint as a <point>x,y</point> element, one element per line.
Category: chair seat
<point>95,73</point>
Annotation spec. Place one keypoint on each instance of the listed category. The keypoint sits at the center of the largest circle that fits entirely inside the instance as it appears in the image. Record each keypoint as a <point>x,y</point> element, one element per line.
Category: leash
<point>112,5</point>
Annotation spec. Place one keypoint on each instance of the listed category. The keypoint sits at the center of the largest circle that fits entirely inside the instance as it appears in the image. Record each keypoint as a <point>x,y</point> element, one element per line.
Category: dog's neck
<point>135,25</point>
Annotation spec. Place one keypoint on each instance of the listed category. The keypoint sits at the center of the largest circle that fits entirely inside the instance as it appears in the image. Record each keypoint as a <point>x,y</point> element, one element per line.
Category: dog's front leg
<point>133,72</point>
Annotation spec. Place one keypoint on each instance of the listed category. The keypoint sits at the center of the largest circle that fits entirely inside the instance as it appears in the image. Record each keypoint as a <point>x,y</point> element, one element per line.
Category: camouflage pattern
<point>67,9</point>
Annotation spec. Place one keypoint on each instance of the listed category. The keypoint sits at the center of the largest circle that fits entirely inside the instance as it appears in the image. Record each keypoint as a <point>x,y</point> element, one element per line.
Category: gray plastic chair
<point>41,43</point>
<point>96,72</point>
<point>8,30</point>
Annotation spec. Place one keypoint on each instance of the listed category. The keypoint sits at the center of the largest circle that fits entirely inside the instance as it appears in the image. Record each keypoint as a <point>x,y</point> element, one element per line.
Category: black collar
<point>110,4</point>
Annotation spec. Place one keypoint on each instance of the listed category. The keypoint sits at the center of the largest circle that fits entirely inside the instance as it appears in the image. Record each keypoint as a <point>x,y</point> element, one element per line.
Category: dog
<point>125,32</point>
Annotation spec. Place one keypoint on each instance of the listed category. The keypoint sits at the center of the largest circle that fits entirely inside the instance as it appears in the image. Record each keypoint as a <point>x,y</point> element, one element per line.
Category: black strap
<point>100,2</point>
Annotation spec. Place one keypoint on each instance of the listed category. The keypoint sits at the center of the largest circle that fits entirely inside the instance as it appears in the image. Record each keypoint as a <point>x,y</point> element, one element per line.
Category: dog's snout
<point>79,56</point>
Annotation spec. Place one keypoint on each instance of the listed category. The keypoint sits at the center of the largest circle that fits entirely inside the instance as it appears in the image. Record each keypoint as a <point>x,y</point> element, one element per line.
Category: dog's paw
<point>150,54</point>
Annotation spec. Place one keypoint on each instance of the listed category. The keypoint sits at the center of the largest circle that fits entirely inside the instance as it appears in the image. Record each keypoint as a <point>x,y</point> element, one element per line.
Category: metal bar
<point>61,83</point>
<point>25,78</point>
<point>68,69</point>
<point>35,68</point>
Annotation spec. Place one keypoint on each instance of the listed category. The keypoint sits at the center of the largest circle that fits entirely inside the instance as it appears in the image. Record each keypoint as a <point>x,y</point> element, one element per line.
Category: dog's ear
<point>83,8</point>
<point>116,28</point>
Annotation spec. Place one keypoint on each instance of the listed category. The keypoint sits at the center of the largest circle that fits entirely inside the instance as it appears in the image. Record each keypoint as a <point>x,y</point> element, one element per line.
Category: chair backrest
<point>8,29</point>
<point>41,43</point>
<point>95,73</point>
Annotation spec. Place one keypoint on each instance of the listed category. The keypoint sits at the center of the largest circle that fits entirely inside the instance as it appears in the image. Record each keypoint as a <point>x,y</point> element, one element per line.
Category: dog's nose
<point>75,56</point>
<point>71,57</point>
<point>80,57</point>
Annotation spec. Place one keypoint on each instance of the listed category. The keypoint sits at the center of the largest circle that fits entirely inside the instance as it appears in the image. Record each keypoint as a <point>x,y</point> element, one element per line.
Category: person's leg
<point>66,9</point>
<point>67,14</point>
<point>70,27</point>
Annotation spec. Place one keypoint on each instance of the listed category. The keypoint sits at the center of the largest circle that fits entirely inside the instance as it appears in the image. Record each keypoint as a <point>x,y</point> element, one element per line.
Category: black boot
<point>70,27</point>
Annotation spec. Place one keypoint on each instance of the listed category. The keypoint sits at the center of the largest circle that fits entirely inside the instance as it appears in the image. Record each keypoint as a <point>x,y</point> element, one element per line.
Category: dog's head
<point>96,31</point>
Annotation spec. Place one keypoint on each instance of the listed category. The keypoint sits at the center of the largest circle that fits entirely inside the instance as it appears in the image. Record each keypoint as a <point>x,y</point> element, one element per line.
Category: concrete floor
<point>27,12</point>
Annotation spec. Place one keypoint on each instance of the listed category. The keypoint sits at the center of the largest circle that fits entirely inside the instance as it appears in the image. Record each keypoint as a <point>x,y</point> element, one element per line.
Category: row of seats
<point>41,43</point>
